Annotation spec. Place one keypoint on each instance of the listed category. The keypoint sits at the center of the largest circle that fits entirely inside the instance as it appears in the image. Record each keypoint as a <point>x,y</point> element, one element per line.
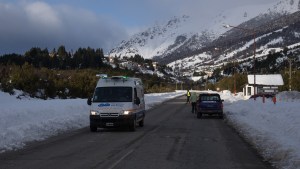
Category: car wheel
<point>132,126</point>
<point>93,128</point>
<point>221,116</point>
<point>141,123</point>
<point>199,115</point>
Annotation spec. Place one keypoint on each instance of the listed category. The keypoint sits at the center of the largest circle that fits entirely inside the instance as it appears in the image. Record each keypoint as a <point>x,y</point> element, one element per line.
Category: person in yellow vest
<point>188,95</point>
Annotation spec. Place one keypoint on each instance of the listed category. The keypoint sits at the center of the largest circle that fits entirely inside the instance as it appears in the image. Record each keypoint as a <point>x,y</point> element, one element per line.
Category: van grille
<point>109,114</point>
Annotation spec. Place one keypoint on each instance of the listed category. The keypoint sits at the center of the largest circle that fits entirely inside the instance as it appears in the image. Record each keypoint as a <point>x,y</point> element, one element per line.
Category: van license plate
<point>109,124</point>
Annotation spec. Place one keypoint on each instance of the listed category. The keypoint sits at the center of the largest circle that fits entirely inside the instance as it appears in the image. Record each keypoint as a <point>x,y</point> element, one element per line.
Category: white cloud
<point>39,24</point>
<point>28,23</point>
<point>41,13</point>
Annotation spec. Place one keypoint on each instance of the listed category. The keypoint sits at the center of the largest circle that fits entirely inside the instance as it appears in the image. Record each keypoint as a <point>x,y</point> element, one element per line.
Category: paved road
<point>172,138</point>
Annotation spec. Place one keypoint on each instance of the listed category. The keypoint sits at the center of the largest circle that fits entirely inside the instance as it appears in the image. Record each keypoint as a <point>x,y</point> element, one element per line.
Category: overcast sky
<point>93,23</point>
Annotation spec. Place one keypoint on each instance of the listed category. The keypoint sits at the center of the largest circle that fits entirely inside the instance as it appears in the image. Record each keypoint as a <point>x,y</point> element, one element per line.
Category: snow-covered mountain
<point>176,40</point>
<point>271,35</point>
<point>162,40</point>
<point>242,14</point>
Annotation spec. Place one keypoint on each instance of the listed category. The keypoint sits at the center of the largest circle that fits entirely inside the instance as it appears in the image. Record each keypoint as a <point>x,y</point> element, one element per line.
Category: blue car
<point>209,103</point>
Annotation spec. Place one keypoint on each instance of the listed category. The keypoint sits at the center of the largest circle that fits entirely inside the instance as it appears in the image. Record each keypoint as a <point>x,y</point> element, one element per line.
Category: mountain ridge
<point>169,42</point>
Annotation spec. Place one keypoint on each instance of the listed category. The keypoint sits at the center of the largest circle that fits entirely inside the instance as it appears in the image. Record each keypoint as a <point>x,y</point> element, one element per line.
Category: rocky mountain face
<point>278,38</point>
<point>165,42</point>
<point>269,31</point>
<point>279,26</point>
<point>184,46</point>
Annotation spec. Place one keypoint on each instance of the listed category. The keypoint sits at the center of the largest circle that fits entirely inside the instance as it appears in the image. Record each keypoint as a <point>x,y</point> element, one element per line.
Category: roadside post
<point>274,99</point>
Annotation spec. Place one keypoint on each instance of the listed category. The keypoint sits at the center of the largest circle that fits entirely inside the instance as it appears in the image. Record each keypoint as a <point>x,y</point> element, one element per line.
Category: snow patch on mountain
<point>185,34</point>
<point>242,14</point>
<point>154,41</point>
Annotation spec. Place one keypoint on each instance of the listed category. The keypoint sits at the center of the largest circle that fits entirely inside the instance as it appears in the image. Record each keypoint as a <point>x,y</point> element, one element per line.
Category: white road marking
<point>122,158</point>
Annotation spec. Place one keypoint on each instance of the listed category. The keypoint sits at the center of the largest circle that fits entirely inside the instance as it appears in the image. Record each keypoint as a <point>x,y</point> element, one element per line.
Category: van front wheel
<point>93,128</point>
<point>141,123</point>
<point>132,125</point>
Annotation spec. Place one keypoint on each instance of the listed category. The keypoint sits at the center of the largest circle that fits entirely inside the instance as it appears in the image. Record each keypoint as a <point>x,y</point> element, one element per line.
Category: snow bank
<point>272,128</point>
<point>288,96</point>
<point>152,100</point>
<point>24,120</point>
<point>33,120</point>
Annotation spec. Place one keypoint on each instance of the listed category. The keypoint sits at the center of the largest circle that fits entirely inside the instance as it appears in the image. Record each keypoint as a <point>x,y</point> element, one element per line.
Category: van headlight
<point>127,112</point>
<point>93,112</point>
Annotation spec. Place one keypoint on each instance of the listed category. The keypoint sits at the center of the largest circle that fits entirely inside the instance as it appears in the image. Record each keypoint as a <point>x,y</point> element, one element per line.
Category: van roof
<point>119,81</point>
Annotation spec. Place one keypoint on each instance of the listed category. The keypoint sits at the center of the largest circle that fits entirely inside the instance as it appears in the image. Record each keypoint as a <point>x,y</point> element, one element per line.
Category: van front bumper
<point>108,122</point>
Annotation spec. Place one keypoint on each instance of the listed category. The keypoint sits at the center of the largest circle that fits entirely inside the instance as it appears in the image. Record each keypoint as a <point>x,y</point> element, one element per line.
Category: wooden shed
<point>265,84</point>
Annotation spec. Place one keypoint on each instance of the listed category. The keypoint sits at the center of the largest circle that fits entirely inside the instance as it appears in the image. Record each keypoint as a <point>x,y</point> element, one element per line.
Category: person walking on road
<point>193,100</point>
<point>188,95</point>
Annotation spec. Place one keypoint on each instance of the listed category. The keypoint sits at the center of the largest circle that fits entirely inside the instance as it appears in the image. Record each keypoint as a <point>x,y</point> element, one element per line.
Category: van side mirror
<point>137,101</point>
<point>89,101</point>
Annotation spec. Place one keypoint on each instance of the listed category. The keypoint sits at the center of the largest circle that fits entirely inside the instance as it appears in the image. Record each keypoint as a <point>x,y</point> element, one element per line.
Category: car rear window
<point>209,98</point>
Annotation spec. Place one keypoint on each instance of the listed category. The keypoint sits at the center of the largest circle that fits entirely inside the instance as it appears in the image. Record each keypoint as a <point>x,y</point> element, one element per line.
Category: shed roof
<point>273,79</point>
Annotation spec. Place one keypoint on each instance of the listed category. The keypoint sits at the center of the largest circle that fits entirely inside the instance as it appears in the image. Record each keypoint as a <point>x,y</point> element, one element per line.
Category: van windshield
<point>113,94</point>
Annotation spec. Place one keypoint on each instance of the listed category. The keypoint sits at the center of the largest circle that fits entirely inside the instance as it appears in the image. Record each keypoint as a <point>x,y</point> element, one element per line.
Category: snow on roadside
<point>34,120</point>
<point>30,119</point>
<point>272,128</point>
<point>152,100</point>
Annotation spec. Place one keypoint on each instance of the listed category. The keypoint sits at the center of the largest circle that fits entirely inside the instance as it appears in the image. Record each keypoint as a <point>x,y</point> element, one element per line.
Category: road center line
<point>122,158</point>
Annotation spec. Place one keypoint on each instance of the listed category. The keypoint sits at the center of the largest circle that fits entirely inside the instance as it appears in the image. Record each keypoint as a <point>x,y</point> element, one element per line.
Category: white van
<point>117,101</point>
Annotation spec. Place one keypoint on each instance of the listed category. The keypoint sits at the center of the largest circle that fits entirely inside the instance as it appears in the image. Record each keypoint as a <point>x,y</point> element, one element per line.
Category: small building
<point>155,64</point>
<point>129,65</point>
<point>264,84</point>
